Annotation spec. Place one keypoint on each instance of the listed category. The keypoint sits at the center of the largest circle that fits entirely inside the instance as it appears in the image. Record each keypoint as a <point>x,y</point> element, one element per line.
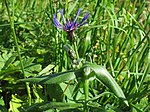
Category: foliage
<point>38,73</point>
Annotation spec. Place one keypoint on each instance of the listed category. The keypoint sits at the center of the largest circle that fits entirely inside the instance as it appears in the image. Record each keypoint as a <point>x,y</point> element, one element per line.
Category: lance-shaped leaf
<point>103,75</point>
<point>40,107</point>
<point>52,78</point>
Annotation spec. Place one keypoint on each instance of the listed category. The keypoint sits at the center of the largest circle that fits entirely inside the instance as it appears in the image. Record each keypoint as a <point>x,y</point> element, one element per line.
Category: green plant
<point>116,37</point>
<point>82,71</point>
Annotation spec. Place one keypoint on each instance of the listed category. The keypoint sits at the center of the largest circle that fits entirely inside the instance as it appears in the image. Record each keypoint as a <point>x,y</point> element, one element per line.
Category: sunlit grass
<point>117,36</point>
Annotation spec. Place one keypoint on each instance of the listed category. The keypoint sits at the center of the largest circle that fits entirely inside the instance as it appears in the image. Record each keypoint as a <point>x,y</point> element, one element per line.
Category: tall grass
<point>117,36</point>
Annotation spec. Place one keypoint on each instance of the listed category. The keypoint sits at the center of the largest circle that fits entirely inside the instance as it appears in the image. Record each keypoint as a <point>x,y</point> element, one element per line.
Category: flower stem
<point>17,47</point>
<point>86,92</point>
<point>86,89</point>
<point>76,50</point>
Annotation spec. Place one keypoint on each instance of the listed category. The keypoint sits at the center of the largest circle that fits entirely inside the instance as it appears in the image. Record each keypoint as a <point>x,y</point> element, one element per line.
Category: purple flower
<point>70,26</point>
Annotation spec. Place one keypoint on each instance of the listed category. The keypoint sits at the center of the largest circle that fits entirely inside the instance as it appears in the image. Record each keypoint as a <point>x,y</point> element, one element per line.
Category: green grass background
<point>117,36</point>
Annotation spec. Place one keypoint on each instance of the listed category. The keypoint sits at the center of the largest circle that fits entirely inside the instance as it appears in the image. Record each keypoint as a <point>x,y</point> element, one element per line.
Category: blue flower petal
<point>73,26</point>
<point>70,25</point>
<point>62,14</point>
<point>79,10</point>
<point>56,22</point>
<point>82,24</point>
<point>85,18</point>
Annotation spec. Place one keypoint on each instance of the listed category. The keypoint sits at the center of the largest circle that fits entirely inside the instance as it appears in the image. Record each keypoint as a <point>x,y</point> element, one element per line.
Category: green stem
<point>86,81</point>
<point>17,47</point>
<point>86,89</point>
<point>86,92</point>
<point>76,50</point>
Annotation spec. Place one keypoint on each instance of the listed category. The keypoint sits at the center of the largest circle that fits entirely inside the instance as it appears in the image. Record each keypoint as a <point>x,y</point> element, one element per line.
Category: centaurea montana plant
<point>83,71</point>
<point>68,25</point>
<point>100,72</point>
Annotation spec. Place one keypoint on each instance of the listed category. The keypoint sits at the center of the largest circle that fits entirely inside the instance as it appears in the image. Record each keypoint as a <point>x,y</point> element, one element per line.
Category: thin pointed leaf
<point>85,45</point>
<point>73,6</point>
<point>103,75</point>
<point>52,78</point>
<point>53,105</point>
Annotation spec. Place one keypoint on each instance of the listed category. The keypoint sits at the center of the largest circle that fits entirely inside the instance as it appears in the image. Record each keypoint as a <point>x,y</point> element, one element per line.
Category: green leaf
<point>7,73</point>
<point>72,7</point>
<point>31,68</point>
<point>70,51</point>
<point>6,59</point>
<point>52,78</point>
<point>9,61</point>
<point>27,62</point>
<point>53,105</point>
<point>85,44</point>
<point>46,69</point>
<point>103,75</point>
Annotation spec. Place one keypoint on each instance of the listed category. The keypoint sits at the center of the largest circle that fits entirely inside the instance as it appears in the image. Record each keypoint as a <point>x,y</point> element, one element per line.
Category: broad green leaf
<point>53,105</point>
<point>29,74</point>
<point>46,69</point>
<point>103,75</point>
<point>27,62</point>
<point>7,73</point>
<point>15,103</point>
<point>31,68</point>
<point>9,61</point>
<point>52,78</point>
<point>6,59</point>
<point>54,91</point>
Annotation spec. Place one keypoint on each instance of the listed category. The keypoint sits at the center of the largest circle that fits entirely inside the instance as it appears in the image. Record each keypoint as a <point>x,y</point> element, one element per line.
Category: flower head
<point>70,26</point>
